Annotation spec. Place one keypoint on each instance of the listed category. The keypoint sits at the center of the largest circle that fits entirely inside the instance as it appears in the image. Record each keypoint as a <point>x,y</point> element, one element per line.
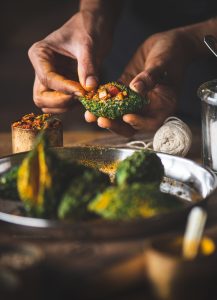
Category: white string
<point>147,144</point>
<point>174,137</point>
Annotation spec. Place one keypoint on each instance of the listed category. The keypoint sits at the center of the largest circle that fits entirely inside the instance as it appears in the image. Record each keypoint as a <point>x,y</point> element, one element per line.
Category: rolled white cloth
<point>174,137</point>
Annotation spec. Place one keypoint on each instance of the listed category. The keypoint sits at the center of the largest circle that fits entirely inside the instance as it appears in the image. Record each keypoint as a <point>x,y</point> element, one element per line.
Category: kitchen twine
<point>173,137</point>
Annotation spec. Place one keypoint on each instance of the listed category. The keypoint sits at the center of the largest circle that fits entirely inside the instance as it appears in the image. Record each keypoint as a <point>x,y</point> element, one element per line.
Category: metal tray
<point>184,178</point>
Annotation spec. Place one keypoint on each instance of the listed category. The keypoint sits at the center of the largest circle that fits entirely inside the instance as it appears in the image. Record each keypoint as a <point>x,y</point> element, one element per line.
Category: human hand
<point>156,71</point>
<point>73,52</point>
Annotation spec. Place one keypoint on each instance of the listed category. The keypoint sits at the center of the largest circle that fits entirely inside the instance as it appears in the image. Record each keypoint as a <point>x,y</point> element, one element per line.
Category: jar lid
<point>208,92</point>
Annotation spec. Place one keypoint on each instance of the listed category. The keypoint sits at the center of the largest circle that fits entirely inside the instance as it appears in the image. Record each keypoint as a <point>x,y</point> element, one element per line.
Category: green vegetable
<point>80,192</point>
<point>42,178</point>
<point>142,166</point>
<point>51,187</point>
<point>8,184</point>
<point>114,109</point>
<point>133,201</point>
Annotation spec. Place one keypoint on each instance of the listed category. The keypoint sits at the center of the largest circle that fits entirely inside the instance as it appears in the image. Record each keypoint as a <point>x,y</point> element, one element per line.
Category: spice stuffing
<point>38,122</point>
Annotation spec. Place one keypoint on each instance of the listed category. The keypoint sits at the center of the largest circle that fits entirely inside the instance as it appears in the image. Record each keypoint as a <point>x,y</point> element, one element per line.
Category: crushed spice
<point>33,121</point>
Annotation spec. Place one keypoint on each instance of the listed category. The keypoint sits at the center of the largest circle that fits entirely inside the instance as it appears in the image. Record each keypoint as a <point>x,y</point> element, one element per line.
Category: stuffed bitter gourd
<point>142,166</point>
<point>113,100</point>
<point>42,178</point>
<point>133,201</point>
<point>8,184</point>
<point>80,192</point>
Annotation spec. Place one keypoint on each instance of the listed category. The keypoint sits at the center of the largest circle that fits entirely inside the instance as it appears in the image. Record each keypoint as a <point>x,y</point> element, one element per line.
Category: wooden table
<point>76,258</point>
<point>70,138</point>
<point>103,137</point>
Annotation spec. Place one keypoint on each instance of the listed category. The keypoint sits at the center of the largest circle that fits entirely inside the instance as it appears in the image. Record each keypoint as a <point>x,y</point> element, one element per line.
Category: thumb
<point>148,79</point>
<point>87,69</point>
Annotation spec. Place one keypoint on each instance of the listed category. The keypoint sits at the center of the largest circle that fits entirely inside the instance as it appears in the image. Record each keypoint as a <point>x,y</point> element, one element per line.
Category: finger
<point>89,117</point>
<point>48,110</point>
<point>116,126</point>
<point>125,78</point>
<point>50,99</point>
<point>53,99</point>
<point>143,123</point>
<point>147,80</point>
<point>60,83</point>
<point>87,70</point>
<point>42,58</point>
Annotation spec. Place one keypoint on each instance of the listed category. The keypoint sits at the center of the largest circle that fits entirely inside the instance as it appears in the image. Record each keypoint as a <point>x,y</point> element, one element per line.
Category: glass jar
<point>208,95</point>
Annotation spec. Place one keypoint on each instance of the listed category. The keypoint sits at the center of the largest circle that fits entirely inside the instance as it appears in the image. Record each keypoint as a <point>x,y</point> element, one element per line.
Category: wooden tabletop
<point>78,258</point>
<point>70,138</point>
<point>103,137</point>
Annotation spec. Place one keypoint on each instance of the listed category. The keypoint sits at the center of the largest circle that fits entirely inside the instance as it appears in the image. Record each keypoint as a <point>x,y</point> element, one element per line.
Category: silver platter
<point>184,178</point>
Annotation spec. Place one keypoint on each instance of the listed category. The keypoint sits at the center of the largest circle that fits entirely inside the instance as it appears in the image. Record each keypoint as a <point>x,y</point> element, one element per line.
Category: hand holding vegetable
<point>156,72</point>
<point>71,53</point>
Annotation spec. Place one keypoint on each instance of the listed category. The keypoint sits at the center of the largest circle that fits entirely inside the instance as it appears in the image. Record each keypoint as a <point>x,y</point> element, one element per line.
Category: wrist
<point>99,29</point>
<point>106,11</point>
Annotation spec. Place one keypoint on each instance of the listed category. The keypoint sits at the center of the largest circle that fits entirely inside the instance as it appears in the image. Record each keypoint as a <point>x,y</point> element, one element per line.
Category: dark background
<point>25,22</point>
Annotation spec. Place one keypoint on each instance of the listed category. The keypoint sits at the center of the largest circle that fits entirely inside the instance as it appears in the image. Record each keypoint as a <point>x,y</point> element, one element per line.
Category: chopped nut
<point>102,93</point>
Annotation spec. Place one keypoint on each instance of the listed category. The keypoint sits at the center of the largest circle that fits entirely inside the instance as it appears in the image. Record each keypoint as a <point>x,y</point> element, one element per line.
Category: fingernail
<point>101,125</point>
<point>78,94</point>
<point>139,87</point>
<point>91,82</point>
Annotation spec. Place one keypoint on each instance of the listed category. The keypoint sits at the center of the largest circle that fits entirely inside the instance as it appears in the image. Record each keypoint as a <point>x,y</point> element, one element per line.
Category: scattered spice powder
<point>107,168</point>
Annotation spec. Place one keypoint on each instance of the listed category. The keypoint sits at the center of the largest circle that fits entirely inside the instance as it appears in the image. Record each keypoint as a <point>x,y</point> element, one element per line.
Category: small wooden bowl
<point>173,277</point>
<point>23,139</point>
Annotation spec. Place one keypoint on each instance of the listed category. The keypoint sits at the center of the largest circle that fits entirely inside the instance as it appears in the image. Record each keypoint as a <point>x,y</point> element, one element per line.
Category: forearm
<point>107,10</point>
<point>111,7</point>
<point>195,34</point>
